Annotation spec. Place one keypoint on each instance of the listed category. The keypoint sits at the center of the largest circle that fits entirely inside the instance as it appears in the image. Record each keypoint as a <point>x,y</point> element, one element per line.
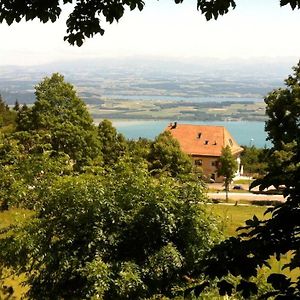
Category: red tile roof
<point>203,140</point>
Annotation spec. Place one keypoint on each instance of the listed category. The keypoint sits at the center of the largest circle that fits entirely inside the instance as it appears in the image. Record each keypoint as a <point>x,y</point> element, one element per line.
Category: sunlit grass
<point>8,218</point>
<point>243,181</point>
<point>233,217</point>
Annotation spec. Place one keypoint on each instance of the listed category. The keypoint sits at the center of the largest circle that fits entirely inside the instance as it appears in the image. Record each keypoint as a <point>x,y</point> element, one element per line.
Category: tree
<point>84,20</point>
<point>255,160</point>
<point>56,103</point>
<point>139,149</point>
<point>114,145</point>
<point>59,113</point>
<point>27,166</point>
<point>260,240</point>
<point>227,167</point>
<point>122,234</point>
<point>16,106</point>
<point>7,117</point>
<point>166,156</point>
<point>23,119</point>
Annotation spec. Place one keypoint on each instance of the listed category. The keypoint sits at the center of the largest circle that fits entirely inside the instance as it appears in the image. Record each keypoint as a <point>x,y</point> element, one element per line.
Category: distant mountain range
<point>98,79</point>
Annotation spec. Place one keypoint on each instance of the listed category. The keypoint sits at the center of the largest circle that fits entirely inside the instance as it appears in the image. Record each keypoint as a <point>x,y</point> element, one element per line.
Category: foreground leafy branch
<point>122,234</point>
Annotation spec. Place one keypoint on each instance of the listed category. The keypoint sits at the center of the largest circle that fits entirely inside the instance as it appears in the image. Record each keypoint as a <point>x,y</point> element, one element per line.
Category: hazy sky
<point>256,28</point>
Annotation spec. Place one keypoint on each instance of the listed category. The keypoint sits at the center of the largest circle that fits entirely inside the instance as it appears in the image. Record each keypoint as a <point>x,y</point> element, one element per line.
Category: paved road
<point>246,196</point>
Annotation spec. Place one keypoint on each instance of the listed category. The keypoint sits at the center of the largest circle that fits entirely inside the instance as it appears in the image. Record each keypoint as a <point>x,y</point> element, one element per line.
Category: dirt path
<point>245,196</point>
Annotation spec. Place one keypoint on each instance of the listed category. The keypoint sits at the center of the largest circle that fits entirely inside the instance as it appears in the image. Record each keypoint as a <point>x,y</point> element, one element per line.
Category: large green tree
<point>165,155</point>
<point>84,21</point>
<point>61,115</point>
<point>255,160</point>
<point>7,117</point>
<point>122,234</point>
<point>114,145</point>
<point>260,240</point>
<point>227,167</point>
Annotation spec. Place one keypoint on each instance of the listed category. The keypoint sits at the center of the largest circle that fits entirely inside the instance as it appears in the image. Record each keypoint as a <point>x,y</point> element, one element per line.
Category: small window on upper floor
<point>230,142</point>
<point>198,162</point>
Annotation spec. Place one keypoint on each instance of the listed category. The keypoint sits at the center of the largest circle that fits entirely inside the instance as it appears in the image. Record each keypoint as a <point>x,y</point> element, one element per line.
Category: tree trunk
<point>226,189</point>
<point>226,193</point>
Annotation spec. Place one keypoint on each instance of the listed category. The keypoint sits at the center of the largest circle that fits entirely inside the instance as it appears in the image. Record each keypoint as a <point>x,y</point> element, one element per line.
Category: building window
<point>230,142</point>
<point>199,135</point>
<point>198,162</point>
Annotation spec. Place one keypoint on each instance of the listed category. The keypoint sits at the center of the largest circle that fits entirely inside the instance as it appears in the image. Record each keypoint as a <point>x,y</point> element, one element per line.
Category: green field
<point>159,109</point>
<point>232,217</point>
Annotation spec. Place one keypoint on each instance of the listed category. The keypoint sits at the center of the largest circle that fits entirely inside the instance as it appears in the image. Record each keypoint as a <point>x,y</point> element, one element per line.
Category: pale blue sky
<point>256,28</point>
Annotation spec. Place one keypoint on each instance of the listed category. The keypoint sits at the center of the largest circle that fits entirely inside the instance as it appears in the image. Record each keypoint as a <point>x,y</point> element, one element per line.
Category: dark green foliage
<point>114,145</point>
<point>166,156</point>
<point>259,240</point>
<point>17,106</point>
<point>23,118</point>
<point>84,20</point>
<point>255,160</point>
<point>283,109</point>
<point>120,235</point>
<point>7,117</point>
<point>139,149</point>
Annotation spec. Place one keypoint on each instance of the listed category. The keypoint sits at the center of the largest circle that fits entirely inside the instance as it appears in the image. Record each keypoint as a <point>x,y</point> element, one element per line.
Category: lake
<point>244,132</point>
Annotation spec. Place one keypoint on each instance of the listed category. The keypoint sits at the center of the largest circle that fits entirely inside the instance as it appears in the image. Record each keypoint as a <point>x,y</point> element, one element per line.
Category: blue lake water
<point>245,132</point>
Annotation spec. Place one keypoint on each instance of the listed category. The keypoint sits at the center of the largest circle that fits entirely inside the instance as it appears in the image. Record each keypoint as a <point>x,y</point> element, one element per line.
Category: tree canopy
<point>254,160</point>
<point>227,167</point>
<point>85,19</point>
<point>7,117</point>
<point>165,155</point>
<point>114,145</point>
<point>122,234</point>
<point>59,114</point>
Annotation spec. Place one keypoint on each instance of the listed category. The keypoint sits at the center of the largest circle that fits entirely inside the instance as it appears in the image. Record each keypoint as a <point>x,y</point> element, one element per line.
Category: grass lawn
<point>243,181</point>
<point>233,217</point>
<point>10,217</point>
